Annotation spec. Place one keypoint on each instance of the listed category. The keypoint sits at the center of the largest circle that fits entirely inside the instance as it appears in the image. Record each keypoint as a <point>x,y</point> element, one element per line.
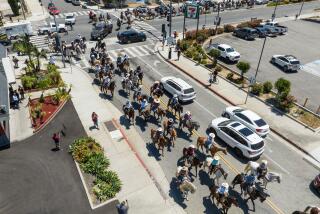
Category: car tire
<point>162,87</point>
<point>246,37</point>
<point>285,69</point>
<point>273,60</point>
<point>238,152</point>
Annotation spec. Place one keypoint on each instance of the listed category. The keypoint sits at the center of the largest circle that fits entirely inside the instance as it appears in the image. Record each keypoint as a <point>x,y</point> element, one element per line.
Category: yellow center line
<point>233,168</point>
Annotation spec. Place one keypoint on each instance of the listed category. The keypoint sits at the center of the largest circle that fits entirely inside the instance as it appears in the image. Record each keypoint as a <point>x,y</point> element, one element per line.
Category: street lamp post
<point>218,17</point>
<point>301,8</point>
<point>58,38</point>
<point>274,11</point>
<point>170,21</point>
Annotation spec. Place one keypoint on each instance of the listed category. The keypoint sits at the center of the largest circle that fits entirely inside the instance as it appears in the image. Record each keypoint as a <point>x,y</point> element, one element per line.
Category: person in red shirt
<point>56,139</point>
<point>94,118</point>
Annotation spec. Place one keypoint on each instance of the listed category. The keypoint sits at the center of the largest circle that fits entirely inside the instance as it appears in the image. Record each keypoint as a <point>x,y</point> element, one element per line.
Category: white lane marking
<point>129,52</point>
<point>283,169</point>
<point>135,50</point>
<point>151,67</point>
<point>204,108</point>
<point>148,48</point>
<point>142,50</point>
<point>269,138</point>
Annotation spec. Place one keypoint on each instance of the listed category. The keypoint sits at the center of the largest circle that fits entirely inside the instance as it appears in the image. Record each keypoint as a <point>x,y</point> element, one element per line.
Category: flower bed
<point>102,183</point>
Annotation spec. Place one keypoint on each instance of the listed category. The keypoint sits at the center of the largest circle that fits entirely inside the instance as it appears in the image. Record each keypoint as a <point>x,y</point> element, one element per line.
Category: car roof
<point>250,114</point>
<point>290,57</point>
<point>69,14</point>
<point>180,82</point>
<point>225,46</point>
<point>253,138</point>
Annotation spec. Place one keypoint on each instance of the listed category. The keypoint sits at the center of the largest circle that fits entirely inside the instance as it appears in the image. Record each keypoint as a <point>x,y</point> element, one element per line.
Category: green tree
<point>14,7</point>
<point>283,87</point>
<point>38,54</point>
<point>215,54</point>
<point>24,46</point>
<point>243,67</point>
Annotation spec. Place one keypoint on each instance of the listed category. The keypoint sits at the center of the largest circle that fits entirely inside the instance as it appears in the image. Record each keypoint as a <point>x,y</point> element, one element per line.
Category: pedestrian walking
<point>123,207</point>
<point>21,92</point>
<point>15,61</point>
<point>179,53</point>
<point>94,118</point>
<point>56,139</point>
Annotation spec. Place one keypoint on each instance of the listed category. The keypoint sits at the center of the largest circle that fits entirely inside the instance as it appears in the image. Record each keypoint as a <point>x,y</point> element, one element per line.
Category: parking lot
<point>301,41</point>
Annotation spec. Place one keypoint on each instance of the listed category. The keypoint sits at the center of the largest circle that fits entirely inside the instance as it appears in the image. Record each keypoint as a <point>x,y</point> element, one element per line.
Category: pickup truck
<point>274,24</point>
<point>226,52</point>
<point>52,28</point>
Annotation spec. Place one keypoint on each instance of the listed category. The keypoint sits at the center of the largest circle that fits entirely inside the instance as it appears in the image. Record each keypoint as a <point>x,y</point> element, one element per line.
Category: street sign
<point>217,20</point>
<point>192,11</point>
<point>252,80</point>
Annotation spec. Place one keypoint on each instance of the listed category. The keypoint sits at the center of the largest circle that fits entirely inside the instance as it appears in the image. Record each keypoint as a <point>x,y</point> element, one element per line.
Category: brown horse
<point>227,203</point>
<point>111,88</point>
<point>129,114</point>
<point>161,141</point>
<point>160,113</point>
<point>146,114</point>
<point>173,136</point>
<point>213,149</point>
<point>194,162</point>
<point>191,125</point>
<point>177,108</point>
<point>141,97</point>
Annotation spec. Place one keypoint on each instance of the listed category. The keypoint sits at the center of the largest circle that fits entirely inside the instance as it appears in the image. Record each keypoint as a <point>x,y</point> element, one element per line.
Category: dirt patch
<point>305,117</point>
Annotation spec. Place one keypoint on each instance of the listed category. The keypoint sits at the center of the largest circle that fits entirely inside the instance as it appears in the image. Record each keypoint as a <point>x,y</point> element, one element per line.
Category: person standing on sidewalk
<point>123,207</point>
<point>15,61</point>
<point>21,92</point>
<point>178,53</point>
<point>56,139</point>
<point>94,118</point>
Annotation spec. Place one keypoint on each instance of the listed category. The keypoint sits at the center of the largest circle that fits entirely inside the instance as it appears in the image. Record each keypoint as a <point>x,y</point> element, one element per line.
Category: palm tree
<point>38,54</point>
<point>24,46</point>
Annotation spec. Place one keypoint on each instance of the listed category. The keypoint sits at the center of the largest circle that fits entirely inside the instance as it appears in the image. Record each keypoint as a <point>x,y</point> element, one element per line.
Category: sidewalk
<point>144,183</point>
<point>293,132</point>
<point>38,12</point>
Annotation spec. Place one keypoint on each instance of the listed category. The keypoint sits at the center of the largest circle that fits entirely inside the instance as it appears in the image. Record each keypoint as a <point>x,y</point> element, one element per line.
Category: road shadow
<point>153,151</point>
<point>183,135</point>
<point>139,121</point>
<point>210,207</point>
<point>175,193</point>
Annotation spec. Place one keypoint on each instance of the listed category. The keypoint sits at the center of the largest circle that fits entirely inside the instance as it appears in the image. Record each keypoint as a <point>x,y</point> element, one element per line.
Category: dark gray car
<point>246,33</point>
<point>101,30</point>
<point>131,36</point>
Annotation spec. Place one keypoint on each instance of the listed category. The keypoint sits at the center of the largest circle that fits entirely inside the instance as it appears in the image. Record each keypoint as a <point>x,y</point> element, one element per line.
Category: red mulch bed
<point>48,107</point>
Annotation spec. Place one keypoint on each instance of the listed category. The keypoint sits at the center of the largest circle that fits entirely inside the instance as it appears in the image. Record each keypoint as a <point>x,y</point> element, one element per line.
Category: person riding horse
<point>106,81</point>
<point>159,133</point>
<point>170,124</point>
<point>128,106</point>
<point>182,173</point>
<point>137,91</point>
<point>186,118</point>
<point>209,142</point>
<point>260,170</point>
<point>223,192</point>
<point>213,163</point>
<point>249,182</point>
<point>143,105</point>
<point>173,101</point>
<point>155,104</point>
<point>155,86</point>
<point>189,153</point>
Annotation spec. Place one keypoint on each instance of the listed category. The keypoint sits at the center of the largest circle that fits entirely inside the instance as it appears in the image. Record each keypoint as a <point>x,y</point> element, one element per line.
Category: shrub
<point>44,83</point>
<point>220,30</point>
<point>95,164</point>
<point>218,69</point>
<point>228,28</point>
<point>243,67</point>
<point>203,61</point>
<point>214,53</point>
<point>267,87</point>
<point>41,98</point>
<point>286,103</point>
<point>83,147</point>
<point>28,82</point>
<point>107,187</point>
<point>55,78</point>
<point>185,44</point>
<point>283,87</point>
<point>230,76</point>
<point>254,23</point>
<point>197,57</point>
<point>257,89</point>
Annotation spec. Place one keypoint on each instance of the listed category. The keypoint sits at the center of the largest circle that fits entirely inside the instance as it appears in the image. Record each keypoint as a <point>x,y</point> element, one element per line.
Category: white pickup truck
<point>52,28</point>
<point>274,24</point>
<point>226,52</point>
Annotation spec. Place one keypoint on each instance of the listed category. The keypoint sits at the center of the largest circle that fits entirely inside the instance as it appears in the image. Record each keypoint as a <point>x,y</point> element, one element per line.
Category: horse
<point>238,179</point>
<point>270,177</point>
<point>140,76</point>
<point>218,171</point>
<point>160,113</point>
<point>227,203</point>
<point>129,113</point>
<point>191,125</point>
<point>146,114</point>
<point>255,194</point>
<point>126,86</point>
<point>173,136</point>
<point>313,210</point>
<point>213,149</point>
<point>185,187</point>
<point>194,162</point>
<point>157,92</point>
<point>111,88</point>
<point>141,97</point>
<point>177,108</point>
<point>161,141</point>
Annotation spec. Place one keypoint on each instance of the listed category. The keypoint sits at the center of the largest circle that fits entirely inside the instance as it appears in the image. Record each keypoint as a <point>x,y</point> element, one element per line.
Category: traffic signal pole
<point>170,21</point>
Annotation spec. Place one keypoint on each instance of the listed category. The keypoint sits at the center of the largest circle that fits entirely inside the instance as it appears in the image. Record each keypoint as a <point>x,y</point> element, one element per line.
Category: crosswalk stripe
<point>148,48</point>
<point>143,50</point>
<point>131,52</point>
<point>112,55</point>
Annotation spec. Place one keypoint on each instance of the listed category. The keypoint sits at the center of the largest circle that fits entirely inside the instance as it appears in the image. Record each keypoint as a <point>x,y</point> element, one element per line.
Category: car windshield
<point>257,145</point>
<point>260,122</point>
<point>69,17</point>
<point>245,131</point>
<point>188,91</point>
<point>295,62</point>
<point>98,27</point>
<point>224,123</point>
<point>229,50</point>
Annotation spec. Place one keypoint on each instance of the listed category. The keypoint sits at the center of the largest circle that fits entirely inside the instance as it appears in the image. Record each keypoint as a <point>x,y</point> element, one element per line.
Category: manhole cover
<point>110,126</point>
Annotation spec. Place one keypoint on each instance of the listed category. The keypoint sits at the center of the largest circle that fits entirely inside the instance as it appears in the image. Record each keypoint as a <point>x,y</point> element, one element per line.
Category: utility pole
<point>58,38</point>
<point>274,11</point>
<point>301,8</point>
<point>198,18</point>
<point>217,19</point>
<point>170,21</point>
<point>184,24</point>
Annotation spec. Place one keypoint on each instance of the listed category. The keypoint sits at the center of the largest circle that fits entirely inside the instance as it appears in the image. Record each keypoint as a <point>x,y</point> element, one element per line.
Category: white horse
<point>185,187</point>
<point>218,173</point>
<point>271,177</point>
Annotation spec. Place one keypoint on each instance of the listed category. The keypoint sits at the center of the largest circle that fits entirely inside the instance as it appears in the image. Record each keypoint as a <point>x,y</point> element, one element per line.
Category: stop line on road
<point>76,13</point>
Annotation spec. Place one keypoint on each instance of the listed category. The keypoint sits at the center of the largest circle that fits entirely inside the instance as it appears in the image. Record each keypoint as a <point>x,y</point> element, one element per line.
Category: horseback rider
<point>182,173</point>
<point>119,60</point>
<point>213,163</point>
<point>249,181</point>
<point>209,142</point>
<point>155,85</point>
<point>190,153</point>
<point>155,104</point>
<point>107,81</point>
<point>262,169</point>
<point>174,100</point>
<point>159,133</point>
<point>186,118</point>
<point>128,106</point>
<point>223,192</point>
<point>119,22</point>
<point>143,105</point>
<point>170,124</point>
<point>137,91</point>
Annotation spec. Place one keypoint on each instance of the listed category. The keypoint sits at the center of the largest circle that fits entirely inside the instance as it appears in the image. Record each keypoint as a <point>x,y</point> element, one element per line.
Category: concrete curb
<point>232,103</point>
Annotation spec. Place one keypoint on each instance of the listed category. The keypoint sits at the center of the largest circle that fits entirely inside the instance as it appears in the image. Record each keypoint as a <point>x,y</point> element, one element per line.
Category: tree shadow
<point>175,193</point>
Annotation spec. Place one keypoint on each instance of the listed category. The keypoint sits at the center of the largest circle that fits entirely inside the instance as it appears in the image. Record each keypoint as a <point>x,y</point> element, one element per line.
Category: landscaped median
<point>281,99</point>
<point>102,184</point>
<point>284,2</point>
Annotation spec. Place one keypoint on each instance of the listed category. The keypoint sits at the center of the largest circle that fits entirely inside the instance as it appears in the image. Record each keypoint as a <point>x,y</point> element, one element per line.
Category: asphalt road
<point>301,41</point>
<point>235,16</point>
<point>281,157</point>
<point>34,179</point>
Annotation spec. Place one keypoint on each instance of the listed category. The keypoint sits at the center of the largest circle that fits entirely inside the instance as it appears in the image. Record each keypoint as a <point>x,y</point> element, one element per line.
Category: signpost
<point>192,11</point>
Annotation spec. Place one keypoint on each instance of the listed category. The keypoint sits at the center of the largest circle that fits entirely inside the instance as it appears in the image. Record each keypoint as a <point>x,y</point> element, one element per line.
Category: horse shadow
<point>175,193</point>
<point>205,179</point>
<point>153,151</point>
<point>139,121</point>
<point>135,105</point>
<point>242,204</point>
<point>184,135</point>
<point>125,122</point>
<point>123,93</point>
<point>313,190</point>
<point>210,207</point>
<point>105,96</point>
<point>96,81</point>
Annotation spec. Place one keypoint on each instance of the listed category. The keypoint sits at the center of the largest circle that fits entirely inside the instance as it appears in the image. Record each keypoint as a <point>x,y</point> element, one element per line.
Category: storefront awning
<point>8,69</point>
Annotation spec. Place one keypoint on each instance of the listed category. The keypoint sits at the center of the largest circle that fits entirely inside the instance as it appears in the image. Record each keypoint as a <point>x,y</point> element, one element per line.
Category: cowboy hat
<point>184,168</point>
<point>225,185</point>
<point>188,112</point>
<point>212,135</point>
<point>192,146</point>
<point>156,100</point>
<point>170,120</point>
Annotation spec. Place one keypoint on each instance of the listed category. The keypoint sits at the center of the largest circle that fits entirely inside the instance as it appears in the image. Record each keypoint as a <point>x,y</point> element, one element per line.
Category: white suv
<point>239,137</point>
<point>286,62</point>
<point>226,51</point>
<point>178,86</point>
<point>70,19</point>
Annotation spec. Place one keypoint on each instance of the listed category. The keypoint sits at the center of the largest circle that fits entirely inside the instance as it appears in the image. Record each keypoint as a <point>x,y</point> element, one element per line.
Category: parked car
<point>142,9</point>
<point>286,62</point>
<point>248,118</point>
<point>239,137</point>
<point>316,183</point>
<point>178,86</point>
<point>274,24</point>
<point>52,28</point>
<point>101,30</point>
<point>131,36</point>
<point>259,2</point>
<point>226,52</point>
<point>70,19</point>
<point>262,32</point>
<point>76,2</point>
<point>246,33</point>
<point>54,11</point>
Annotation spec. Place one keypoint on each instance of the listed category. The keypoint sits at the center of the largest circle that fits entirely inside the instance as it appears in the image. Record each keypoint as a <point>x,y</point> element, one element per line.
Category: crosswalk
<point>76,13</point>
<point>41,42</point>
<point>145,27</point>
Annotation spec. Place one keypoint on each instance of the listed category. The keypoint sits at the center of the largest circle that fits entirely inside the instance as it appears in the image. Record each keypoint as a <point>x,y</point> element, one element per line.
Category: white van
<point>14,30</point>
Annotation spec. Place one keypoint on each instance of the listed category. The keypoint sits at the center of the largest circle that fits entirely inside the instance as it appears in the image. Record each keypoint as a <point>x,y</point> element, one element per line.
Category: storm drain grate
<point>110,126</point>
